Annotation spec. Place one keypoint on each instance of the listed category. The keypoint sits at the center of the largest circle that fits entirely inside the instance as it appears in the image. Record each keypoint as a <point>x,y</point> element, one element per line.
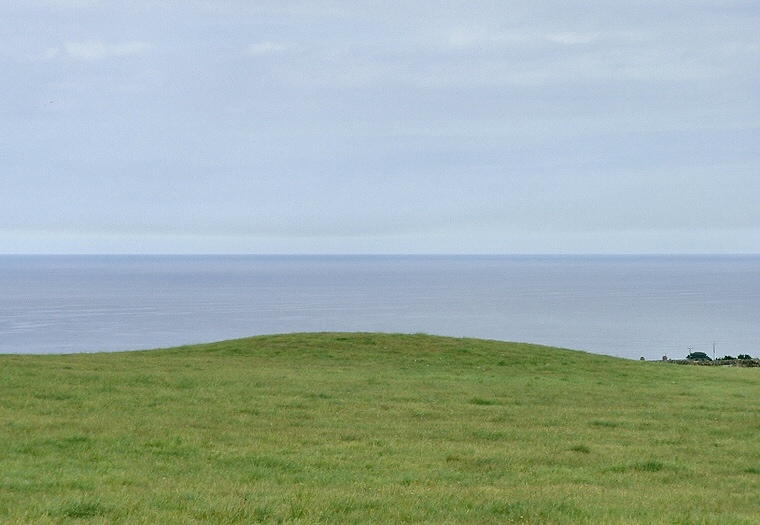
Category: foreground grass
<point>373,428</point>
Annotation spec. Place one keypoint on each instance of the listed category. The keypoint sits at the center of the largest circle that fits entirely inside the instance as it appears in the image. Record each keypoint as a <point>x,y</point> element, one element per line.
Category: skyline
<point>337,127</point>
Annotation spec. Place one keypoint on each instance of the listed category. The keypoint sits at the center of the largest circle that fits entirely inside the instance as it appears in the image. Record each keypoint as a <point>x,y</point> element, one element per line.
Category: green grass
<point>375,428</point>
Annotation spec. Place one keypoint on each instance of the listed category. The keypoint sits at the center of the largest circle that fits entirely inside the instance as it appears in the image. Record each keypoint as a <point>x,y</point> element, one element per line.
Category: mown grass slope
<point>375,428</point>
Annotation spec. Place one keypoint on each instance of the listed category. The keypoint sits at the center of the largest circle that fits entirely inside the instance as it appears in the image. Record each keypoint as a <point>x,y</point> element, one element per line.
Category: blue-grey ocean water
<point>626,306</point>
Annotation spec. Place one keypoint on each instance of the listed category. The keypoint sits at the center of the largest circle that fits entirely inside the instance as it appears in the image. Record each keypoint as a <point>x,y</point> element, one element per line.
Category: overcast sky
<point>379,126</point>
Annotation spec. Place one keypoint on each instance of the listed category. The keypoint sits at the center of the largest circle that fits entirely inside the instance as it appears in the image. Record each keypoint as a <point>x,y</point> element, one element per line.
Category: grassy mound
<point>375,428</point>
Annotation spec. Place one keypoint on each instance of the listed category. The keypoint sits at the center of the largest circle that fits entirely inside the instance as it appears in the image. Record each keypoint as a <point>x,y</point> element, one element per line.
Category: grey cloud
<point>421,124</point>
<point>96,50</point>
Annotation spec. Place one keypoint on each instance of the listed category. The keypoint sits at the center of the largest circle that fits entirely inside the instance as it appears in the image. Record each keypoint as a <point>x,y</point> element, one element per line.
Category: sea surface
<point>625,306</point>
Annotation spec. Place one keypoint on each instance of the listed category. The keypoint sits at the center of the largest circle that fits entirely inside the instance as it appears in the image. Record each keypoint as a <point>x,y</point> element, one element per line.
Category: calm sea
<point>616,305</point>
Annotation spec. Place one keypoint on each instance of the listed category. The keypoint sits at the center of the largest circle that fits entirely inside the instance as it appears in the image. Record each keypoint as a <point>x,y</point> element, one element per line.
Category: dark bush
<point>744,356</point>
<point>727,358</point>
<point>698,356</point>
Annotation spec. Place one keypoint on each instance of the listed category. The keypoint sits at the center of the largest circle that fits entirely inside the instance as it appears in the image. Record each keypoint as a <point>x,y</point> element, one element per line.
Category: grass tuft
<point>81,509</point>
<point>641,466</point>
<point>482,402</point>
<point>604,424</point>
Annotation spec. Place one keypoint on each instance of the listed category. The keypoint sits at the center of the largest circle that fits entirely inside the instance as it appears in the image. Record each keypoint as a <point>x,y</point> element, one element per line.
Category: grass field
<point>375,428</point>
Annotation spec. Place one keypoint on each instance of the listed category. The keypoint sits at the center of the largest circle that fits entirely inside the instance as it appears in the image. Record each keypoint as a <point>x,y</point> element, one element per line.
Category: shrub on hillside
<point>698,356</point>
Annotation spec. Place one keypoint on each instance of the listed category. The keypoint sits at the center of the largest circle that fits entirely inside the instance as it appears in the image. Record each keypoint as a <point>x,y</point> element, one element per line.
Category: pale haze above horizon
<point>380,127</point>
